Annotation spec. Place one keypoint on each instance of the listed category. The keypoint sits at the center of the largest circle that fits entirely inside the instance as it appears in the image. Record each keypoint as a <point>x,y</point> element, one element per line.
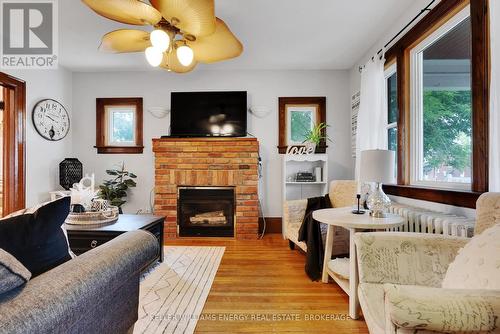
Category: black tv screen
<point>202,114</point>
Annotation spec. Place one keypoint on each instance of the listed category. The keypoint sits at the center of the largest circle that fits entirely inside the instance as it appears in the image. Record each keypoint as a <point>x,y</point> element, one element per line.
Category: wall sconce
<point>260,111</point>
<point>159,112</point>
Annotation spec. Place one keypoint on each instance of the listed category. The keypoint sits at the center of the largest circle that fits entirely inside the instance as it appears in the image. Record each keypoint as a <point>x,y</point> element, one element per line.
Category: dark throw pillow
<point>12,273</point>
<point>35,237</point>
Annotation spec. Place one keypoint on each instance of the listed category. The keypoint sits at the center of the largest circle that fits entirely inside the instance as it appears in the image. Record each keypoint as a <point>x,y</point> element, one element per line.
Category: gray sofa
<point>97,292</point>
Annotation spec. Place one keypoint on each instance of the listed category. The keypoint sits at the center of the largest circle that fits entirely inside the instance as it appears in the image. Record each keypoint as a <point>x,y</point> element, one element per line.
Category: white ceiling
<point>276,34</point>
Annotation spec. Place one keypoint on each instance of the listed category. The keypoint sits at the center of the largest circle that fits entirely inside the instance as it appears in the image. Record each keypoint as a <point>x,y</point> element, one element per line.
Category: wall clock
<point>51,120</point>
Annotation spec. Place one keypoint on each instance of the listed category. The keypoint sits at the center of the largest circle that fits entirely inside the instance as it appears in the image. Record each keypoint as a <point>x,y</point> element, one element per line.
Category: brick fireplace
<point>183,163</point>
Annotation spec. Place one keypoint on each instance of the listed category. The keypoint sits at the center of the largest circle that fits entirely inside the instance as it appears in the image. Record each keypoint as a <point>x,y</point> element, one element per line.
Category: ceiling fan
<point>186,32</point>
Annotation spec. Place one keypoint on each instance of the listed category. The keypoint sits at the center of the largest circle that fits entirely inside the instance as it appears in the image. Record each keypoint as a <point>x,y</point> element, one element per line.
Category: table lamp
<point>377,166</point>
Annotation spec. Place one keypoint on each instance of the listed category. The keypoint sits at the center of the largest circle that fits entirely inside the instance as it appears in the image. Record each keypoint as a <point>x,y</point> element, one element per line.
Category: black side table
<point>84,238</point>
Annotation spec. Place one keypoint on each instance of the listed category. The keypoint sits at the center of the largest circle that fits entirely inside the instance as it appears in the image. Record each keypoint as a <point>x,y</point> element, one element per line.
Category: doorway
<point>12,146</point>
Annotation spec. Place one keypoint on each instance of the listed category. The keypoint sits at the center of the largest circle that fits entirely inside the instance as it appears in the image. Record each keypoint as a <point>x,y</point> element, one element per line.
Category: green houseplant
<point>115,189</point>
<point>314,136</point>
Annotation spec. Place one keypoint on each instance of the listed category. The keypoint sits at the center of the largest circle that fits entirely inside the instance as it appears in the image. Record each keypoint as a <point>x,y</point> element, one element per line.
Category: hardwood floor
<point>261,287</point>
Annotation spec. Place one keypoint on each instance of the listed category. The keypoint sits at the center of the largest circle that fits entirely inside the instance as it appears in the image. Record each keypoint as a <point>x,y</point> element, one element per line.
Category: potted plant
<point>314,136</point>
<point>115,189</point>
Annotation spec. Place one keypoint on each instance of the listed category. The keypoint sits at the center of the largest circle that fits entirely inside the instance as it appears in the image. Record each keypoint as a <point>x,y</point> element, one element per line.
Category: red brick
<point>203,163</point>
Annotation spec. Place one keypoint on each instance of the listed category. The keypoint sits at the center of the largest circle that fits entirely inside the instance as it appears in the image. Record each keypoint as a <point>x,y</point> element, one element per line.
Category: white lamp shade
<point>377,166</point>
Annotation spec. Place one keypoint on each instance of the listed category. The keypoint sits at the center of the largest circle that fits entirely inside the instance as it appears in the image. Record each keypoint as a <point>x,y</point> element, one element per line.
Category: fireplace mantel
<point>203,162</point>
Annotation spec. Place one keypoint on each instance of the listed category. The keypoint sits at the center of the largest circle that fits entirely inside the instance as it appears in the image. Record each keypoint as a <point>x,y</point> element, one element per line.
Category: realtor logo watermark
<point>29,34</point>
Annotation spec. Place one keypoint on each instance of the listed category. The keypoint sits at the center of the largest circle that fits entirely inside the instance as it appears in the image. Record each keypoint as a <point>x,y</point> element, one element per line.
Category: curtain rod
<point>422,11</point>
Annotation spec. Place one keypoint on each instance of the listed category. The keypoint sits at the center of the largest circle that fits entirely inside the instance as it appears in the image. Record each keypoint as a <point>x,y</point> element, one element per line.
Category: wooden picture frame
<point>103,144</point>
<point>286,104</point>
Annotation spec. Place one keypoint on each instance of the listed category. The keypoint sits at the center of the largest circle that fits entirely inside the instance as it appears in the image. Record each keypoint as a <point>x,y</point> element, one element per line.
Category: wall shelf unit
<point>294,163</point>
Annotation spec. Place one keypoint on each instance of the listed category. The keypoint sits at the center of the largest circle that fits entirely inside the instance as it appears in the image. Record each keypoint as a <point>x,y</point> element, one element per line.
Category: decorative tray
<point>107,216</point>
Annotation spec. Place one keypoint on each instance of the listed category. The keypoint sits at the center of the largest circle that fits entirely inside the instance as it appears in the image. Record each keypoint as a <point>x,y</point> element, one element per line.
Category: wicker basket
<point>93,217</point>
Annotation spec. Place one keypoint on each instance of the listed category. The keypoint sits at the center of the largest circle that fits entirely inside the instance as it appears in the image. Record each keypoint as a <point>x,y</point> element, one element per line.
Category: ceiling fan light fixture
<point>154,56</point>
<point>160,39</point>
<point>185,55</point>
<point>182,33</point>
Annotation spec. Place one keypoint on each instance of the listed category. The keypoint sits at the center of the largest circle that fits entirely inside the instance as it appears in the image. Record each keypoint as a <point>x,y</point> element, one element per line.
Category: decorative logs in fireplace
<point>210,218</point>
<point>206,211</point>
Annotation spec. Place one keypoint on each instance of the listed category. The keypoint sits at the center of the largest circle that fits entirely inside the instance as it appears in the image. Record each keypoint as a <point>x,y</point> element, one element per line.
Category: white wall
<point>264,88</point>
<point>43,156</point>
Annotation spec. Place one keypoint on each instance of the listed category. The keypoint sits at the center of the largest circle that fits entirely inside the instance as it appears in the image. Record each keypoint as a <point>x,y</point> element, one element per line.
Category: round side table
<point>354,223</point>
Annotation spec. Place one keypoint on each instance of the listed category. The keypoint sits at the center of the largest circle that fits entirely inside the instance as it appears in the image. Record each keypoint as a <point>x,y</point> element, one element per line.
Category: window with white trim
<point>441,106</point>
<point>121,125</point>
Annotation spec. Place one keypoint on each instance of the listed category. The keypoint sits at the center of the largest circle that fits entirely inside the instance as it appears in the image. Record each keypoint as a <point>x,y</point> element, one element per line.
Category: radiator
<point>426,221</point>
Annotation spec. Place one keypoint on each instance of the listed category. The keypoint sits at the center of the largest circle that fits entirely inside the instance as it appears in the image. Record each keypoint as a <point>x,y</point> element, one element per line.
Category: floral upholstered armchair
<point>342,193</point>
<point>426,283</point>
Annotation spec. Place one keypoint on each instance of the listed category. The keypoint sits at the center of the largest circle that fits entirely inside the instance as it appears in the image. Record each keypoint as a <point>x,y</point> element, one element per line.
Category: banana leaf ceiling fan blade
<point>125,11</point>
<point>194,17</point>
<point>219,46</point>
<point>171,62</point>
<point>125,40</point>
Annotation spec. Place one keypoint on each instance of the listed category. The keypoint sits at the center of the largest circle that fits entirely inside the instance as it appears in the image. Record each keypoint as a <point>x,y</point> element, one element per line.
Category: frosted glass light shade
<point>377,166</point>
<point>160,39</point>
<point>171,63</point>
<point>185,55</point>
<point>154,56</point>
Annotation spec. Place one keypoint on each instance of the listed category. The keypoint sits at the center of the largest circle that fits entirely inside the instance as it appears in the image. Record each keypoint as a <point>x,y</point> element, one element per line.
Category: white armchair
<point>342,193</point>
<point>413,282</point>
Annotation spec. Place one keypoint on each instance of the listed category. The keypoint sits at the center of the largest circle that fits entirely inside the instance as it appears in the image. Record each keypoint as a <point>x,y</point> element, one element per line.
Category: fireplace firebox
<point>206,211</point>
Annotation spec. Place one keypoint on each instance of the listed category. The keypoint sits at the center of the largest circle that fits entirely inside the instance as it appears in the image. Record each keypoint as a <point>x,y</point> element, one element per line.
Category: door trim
<point>14,143</point>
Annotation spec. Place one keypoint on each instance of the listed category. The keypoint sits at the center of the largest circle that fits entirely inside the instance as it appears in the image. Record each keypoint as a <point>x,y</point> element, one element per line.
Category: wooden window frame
<point>14,143</point>
<point>320,101</point>
<point>400,52</point>
<point>101,125</point>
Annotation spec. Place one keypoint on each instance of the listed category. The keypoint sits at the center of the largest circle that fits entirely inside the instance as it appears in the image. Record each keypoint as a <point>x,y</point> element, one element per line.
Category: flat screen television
<point>208,114</point>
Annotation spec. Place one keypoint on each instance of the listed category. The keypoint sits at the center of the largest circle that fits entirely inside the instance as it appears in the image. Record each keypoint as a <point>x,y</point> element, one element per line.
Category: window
<point>119,125</point>
<point>441,108</point>
<point>302,120</point>
<point>442,124</point>
<point>121,121</point>
<point>391,78</point>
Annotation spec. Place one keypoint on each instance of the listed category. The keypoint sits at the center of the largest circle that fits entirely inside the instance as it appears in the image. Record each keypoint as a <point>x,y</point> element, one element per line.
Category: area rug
<point>173,294</point>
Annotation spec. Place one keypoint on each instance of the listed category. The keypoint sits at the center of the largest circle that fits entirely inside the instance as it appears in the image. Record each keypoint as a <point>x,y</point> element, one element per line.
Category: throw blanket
<point>310,233</point>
